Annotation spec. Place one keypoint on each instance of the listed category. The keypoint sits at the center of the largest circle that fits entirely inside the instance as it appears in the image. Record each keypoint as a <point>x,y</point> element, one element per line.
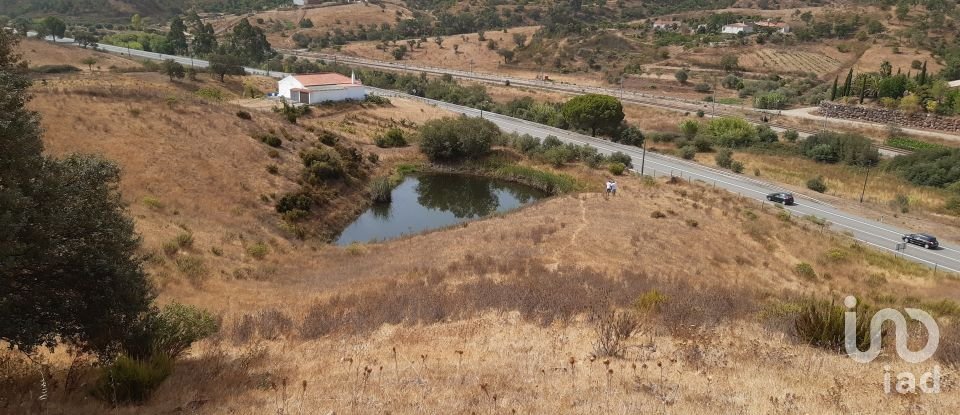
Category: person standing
<point>613,187</point>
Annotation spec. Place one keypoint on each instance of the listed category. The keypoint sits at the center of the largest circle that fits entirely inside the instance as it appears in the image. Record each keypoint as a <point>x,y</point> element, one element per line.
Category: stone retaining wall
<point>888,116</point>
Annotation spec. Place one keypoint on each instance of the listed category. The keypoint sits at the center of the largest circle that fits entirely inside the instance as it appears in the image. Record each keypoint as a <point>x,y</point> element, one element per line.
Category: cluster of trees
<point>449,139</point>
<point>246,43</point>
<point>933,167</point>
<point>910,92</point>
<point>848,148</point>
<point>70,256</point>
<point>110,10</point>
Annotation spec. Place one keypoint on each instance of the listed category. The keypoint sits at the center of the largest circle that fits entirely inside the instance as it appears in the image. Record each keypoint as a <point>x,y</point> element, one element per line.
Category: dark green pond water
<point>430,201</point>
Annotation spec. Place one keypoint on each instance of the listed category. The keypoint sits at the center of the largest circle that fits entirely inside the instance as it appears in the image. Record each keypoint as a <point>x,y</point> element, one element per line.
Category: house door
<point>304,97</point>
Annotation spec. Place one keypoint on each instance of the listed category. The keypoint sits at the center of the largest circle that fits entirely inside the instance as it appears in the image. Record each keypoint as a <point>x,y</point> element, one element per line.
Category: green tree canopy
<point>177,36</point>
<point>248,43</point>
<point>69,268</point>
<point>456,138</point>
<point>223,65</point>
<point>594,112</point>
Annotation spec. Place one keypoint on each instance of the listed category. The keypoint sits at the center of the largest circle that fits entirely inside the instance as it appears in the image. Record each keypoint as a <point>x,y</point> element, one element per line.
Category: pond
<point>430,201</point>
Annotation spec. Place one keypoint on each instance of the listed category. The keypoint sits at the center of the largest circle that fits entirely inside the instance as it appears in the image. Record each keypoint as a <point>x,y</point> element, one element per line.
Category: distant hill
<point>117,9</point>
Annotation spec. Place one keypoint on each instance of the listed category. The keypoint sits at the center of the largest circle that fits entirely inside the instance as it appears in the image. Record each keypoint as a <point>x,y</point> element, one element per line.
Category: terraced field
<point>789,61</point>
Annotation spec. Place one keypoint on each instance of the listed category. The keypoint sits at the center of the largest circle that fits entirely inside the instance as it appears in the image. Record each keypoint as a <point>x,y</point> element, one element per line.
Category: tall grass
<point>554,183</point>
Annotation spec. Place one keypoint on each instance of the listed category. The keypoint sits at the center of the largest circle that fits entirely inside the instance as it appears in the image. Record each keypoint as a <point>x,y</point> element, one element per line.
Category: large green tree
<point>69,268</point>
<point>248,43</point>
<point>177,36</point>
<point>594,112</point>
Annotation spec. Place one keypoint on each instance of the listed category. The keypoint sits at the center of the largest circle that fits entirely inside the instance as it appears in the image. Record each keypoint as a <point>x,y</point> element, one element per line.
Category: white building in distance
<point>321,87</point>
<point>737,28</point>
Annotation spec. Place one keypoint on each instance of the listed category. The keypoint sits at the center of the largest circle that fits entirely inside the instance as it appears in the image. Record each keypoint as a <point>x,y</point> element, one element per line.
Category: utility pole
<point>643,157</point>
<point>864,191</point>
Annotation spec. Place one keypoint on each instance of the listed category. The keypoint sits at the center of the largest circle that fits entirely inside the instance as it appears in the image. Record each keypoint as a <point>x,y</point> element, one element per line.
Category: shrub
<point>381,190</point>
<point>127,380</point>
<point>902,203</point>
<point>192,267</point>
<point>152,202</point>
<point>805,271</point>
<point>273,169</point>
<point>392,138</point>
<point>178,326</point>
<point>171,248</point>
<point>689,128</point>
<point>185,240</point>
<point>321,165</point>
<point>657,214</point>
<point>210,93</point>
<point>613,329</point>
<point>688,152</point>
<point>736,167</point>
<point>558,156</point>
<point>724,158</point>
<point>270,140</point>
<point>616,168</point>
<point>702,88</point>
<point>700,114</point>
<point>770,100</point>
<point>791,135</point>
<point>622,158</point>
<point>732,132</point>
<point>258,250</point>
<point>55,69</point>
<point>766,135</point>
<point>244,115</point>
<point>817,184</point>
<point>703,144</point>
<point>457,138</point>
<point>294,201</point>
<point>650,301</point>
<point>849,148</point>
<point>821,324</point>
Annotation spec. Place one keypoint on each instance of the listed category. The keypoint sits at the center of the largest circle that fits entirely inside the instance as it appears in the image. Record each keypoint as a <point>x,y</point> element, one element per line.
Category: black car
<point>781,197</point>
<point>922,239</point>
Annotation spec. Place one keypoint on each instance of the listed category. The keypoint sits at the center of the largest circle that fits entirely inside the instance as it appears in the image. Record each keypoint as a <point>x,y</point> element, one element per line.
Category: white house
<point>780,27</point>
<point>737,28</point>
<point>321,87</point>
<point>665,24</point>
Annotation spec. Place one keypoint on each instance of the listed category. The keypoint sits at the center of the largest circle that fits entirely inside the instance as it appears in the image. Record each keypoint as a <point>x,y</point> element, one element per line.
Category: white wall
<point>353,92</point>
<point>286,84</point>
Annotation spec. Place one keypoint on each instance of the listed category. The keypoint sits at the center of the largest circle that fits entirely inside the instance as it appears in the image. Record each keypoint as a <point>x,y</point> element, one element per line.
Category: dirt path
<point>807,113</point>
<point>555,259</point>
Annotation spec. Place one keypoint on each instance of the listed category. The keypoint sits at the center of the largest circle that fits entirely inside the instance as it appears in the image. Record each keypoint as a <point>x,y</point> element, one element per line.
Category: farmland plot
<point>765,60</point>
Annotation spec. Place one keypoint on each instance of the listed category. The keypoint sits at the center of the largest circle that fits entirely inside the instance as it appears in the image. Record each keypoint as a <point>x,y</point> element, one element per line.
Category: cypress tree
<point>833,91</point>
<point>863,89</point>
<point>922,77</point>
<point>848,83</point>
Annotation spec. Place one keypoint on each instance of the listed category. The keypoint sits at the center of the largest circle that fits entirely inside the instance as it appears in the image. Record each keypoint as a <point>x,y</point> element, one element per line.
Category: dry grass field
<point>876,54</point>
<point>499,315</point>
<point>40,53</point>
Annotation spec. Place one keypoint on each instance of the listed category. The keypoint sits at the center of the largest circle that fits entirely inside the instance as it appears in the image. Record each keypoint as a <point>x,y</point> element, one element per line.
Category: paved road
<point>876,234</point>
<point>753,115</point>
<point>879,235</point>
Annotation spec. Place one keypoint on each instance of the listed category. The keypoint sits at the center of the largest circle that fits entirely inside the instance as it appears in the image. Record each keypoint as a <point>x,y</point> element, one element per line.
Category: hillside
<point>120,10</point>
<point>494,316</point>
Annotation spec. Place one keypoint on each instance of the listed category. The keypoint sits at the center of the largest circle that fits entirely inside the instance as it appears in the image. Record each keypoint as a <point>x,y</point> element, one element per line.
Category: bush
<point>821,324</point>
<point>210,93</point>
<point>805,271</point>
<point>321,165</point>
<point>688,152</point>
<point>457,138</point>
<point>817,184</point>
<point>381,190</point>
<point>622,158</point>
<point>766,135</point>
<point>934,167</point>
<point>613,329</point>
<point>770,101</point>
<point>55,69</point>
<point>392,138</point>
<point>689,128</point>
<point>127,380</point>
<point>270,140</point>
<point>703,144</point>
<point>732,132</point>
<point>724,158</point>
<point>791,135</point>
<point>702,88</point>
<point>243,115</point>
<point>616,168</point>
<point>849,148</point>
<point>258,250</point>
<point>294,201</point>
<point>736,167</point>
<point>700,114</point>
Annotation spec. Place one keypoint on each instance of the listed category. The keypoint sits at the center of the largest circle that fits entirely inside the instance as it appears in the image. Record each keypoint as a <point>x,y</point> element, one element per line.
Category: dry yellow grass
<point>722,260</point>
<point>872,58</point>
<point>39,53</point>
